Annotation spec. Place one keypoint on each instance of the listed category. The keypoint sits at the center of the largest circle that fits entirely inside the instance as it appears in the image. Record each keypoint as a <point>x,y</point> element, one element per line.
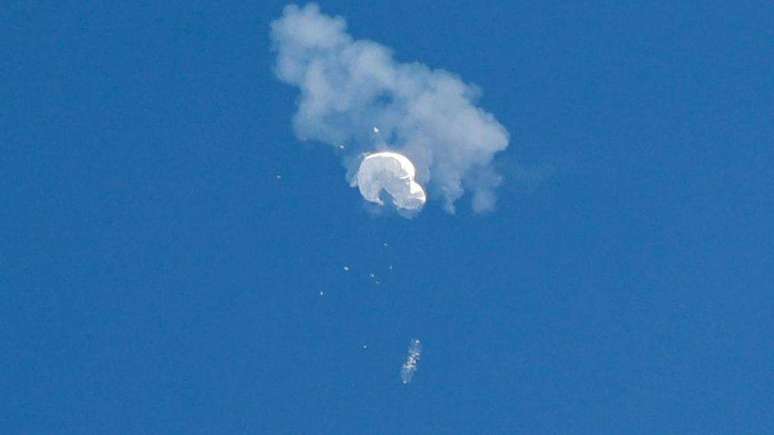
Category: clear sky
<point>165,237</point>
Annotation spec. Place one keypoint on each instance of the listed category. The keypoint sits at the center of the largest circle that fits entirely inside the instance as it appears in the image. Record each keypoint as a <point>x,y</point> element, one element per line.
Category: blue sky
<point>157,276</point>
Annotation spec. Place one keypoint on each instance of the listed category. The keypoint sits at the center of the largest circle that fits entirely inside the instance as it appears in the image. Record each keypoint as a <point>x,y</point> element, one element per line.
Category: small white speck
<point>322,293</point>
<point>279,177</point>
<point>341,147</point>
<point>372,275</point>
<point>376,130</point>
<point>385,244</point>
<point>389,267</point>
<point>346,268</point>
<point>365,346</point>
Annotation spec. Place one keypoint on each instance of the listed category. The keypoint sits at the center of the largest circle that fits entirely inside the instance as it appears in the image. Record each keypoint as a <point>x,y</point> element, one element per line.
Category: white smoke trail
<point>410,366</point>
<point>349,87</point>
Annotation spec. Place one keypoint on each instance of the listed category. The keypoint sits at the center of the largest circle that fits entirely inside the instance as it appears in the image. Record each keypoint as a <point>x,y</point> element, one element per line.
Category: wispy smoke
<point>410,366</point>
<point>349,86</point>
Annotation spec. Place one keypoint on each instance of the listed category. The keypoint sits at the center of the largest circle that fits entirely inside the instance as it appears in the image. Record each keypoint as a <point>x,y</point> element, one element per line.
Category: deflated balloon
<point>393,173</point>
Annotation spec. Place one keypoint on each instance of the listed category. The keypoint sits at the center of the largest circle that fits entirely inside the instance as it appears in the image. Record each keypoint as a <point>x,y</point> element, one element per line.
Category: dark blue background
<point>157,277</point>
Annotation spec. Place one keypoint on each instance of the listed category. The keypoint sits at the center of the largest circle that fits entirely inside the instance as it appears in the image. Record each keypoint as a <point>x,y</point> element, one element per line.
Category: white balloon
<point>393,173</point>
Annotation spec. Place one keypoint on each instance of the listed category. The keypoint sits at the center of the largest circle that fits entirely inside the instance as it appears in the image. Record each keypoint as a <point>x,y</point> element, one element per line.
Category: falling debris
<point>376,130</point>
<point>346,268</point>
<point>372,275</point>
<point>365,346</point>
<point>322,293</point>
<point>279,177</point>
<point>385,244</point>
<point>410,366</point>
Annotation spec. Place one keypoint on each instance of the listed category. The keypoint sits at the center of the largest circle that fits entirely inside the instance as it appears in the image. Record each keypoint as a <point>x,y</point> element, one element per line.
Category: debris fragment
<point>410,366</point>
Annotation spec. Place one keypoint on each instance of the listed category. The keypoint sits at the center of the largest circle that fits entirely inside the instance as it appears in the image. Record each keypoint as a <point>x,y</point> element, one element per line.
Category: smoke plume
<point>349,86</point>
